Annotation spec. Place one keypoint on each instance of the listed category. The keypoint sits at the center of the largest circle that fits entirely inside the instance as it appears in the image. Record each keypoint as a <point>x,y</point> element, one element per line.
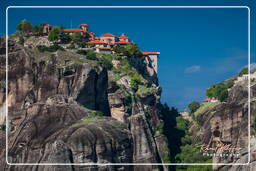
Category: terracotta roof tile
<point>107,35</point>
<point>123,37</point>
<point>150,53</point>
<point>122,42</point>
<point>72,30</point>
<point>95,42</point>
<point>86,25</point>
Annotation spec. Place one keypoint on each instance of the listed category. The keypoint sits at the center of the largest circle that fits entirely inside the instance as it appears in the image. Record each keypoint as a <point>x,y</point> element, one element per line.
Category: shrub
<point>243,71</point>
<point>128,102</point>
<point>106,63</point>
<point>192,154</point>
<point>64,38</point>
<point>115,77</point>
<point>54,34</point>
<point>21,40</point>
<point>53,48</point>
<point>96,114</point>
<point>76,37</point>
<point>119,49</point>
<point>230,84</point>
<point>143,90</point>
<point>128,50</point>
<point>81,52</point>
<point>167,155</point>
<point>159,129</point>
<point>135,81</point>
<point>81,44</point>
<point>193,106</point>
<point>182,124</point>
<point>24,26</point>
<point>91,55</point>
<point>223,95</point>
<point>219,91</point>
<point>37,29</point>
<point>132,50</point>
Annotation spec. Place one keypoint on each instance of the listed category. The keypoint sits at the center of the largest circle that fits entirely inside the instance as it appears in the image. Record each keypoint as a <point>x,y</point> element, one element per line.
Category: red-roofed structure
<point>72,30</point>
<point>86,25</point>
<point>122,42</point>
<point>153,56</point>
<point>102,47</point>
<point>150,53</point>
<point>123,37</point>
<point>107,35</point>
<point>96,42</point>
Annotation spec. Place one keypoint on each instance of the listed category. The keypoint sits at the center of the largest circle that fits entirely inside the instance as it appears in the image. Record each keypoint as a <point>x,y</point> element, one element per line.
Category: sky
<point>199,47</point>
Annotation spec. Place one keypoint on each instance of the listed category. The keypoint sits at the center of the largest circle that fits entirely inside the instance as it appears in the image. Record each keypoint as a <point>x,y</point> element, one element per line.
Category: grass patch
<point>204,107</point>
<point>143,90</point>
<point>93,116</point>
<point>115,77</point>
<point>85,121</point>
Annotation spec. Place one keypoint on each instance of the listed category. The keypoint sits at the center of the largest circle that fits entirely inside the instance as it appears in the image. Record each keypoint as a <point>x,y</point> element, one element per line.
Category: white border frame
<point>105,164</point>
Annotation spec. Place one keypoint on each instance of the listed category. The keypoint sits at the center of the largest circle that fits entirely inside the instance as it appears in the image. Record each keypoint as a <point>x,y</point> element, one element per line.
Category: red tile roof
<point>100,47</point>
<point>150,53</point>
<point>123,37</point>
<point>86,25</point>
<point>107,35</point>
<point>72,30</point>
<point>122,42</point>
<point>95,42</point>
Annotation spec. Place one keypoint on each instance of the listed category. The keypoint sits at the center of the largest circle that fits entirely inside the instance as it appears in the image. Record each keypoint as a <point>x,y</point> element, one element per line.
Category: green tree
<point>132,50</point>
<point>91,55</point>
<point>119,49</point>
<point>243,71</point>
<point>65,38</point>
<point>193,106</point>
<point>54,34</point>
<point>210,92</point>
<point>106,63</point>
<point>219,91</point>
<point>135,81</point>
<point>223,95</point>
<point>37,29</point>
<point>192,154</point>
<point>76,37</point>
<point>24,26</point>
<point>182,124</point>
<point>128,50</point>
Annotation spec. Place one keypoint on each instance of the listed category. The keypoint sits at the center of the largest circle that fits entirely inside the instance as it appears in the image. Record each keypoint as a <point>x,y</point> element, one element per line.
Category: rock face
<point>228,123</point>
<point>54,114</point>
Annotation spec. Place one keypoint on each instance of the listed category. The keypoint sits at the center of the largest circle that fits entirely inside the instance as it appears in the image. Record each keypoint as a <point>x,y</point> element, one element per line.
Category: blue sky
<point>199,47</point>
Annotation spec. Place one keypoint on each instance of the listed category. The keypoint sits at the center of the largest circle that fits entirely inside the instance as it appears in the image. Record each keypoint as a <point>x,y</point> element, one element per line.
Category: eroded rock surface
<point>56,104</point>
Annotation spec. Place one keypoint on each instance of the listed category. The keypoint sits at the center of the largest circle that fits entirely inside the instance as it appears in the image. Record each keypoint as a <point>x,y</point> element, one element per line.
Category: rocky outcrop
<point>55,103</point>
<point>227,124</point>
